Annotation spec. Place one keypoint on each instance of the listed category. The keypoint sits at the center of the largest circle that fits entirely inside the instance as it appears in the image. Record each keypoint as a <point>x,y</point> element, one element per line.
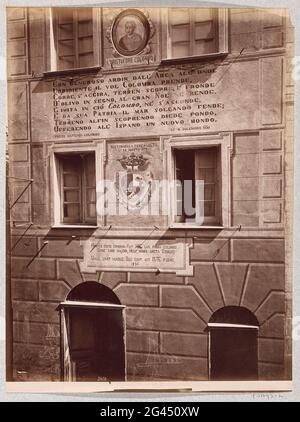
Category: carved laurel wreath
<point>109,31</point>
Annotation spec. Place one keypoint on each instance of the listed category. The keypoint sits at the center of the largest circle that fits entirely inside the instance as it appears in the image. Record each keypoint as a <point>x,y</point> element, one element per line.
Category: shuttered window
<point>198,188</point>
<point>193,31</point>
<point>78,188</point>
<point>73,37</point>
<point>206,169</point>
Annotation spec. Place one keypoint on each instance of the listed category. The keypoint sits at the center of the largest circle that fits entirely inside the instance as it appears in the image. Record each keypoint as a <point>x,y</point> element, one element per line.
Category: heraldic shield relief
<point>133,184</point>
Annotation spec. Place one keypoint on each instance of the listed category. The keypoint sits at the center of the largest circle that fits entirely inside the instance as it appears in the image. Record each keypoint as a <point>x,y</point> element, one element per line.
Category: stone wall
<point>166,316</point>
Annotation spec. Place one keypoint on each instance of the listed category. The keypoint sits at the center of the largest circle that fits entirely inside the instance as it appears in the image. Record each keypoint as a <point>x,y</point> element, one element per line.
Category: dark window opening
<point>92,330</point>
<point>96,344</point>
<point>233,344</point>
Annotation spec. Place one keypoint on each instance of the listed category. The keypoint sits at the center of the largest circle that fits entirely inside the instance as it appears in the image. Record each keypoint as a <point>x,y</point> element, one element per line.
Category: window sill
<point>75,71</point>
<point>190,59</point>
<point>73,226</point>
<point>194,226</point>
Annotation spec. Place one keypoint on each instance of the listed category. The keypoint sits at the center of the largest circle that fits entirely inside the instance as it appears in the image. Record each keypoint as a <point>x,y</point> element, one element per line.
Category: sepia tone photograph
<point>149,195</point>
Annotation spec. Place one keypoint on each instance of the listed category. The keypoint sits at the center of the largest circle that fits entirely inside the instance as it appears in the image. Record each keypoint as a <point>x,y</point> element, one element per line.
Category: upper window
<point>195,32</point>
<point>74,38</point>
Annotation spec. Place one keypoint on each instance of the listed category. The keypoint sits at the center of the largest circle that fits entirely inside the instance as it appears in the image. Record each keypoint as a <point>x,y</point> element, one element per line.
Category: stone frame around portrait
<point>142,19</point>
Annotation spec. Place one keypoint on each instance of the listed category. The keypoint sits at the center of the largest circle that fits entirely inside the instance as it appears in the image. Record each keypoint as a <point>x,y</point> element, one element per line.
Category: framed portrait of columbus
<point>130,32</point>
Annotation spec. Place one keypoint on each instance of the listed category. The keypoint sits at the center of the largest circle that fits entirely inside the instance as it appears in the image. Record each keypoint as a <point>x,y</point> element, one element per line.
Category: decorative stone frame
<point>224,141</point>
<point>55,200</point>
<point>148,23</point>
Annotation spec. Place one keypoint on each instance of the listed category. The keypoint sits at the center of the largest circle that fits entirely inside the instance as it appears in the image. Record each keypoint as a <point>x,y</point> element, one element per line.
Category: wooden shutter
<point>74,37</point>
<point>85,50</point>
<point>17,41</point>
<point>180,32</point>
<point>206,169</point>
<point>193,31</point>
<point>65,334</point>
<point>204,31</point>
<point>65,34</point>
<point>78,188</point>
<point>89,188</point>
<point>71,171</point>
<point>179,180</point>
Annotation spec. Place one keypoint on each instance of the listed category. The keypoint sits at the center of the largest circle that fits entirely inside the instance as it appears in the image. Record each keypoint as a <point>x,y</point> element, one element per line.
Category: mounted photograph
<point>149,216</point>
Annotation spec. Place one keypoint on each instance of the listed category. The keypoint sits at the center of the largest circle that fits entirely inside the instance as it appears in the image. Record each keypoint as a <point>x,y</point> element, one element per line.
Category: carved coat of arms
<point>134,184</point>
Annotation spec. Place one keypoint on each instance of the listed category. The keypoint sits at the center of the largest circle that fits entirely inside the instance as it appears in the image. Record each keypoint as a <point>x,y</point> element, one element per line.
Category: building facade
<point>150,191</point>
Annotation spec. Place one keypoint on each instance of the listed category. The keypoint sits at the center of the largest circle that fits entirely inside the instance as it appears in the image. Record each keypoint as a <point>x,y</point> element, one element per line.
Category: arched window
<point>92,334</point>
<point>233,344</point>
